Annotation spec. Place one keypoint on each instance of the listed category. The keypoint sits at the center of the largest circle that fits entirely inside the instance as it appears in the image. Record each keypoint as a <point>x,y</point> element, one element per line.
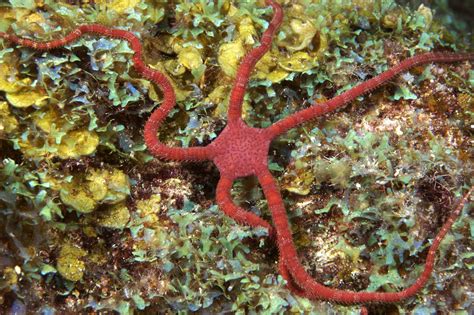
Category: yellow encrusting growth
<point>8,122</point>
<point>70,264</point>
<point>114,217</point>
<point>85,193</point>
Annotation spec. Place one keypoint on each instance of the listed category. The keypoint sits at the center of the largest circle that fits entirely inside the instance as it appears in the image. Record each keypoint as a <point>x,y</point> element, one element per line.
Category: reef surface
<point>91,222</point>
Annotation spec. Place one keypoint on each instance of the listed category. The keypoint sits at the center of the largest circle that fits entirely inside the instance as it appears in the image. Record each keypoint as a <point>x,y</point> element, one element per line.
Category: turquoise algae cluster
<point>90,221</point>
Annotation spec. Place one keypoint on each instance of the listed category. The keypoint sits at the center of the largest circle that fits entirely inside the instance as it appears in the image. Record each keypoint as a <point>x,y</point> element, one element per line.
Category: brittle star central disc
<point>241,150</point>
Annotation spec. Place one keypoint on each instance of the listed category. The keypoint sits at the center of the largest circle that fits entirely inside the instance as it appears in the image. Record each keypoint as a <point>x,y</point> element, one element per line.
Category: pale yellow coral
<point>190,58</point>
<point>298,180</point>
<point>70,264</point>
<point>26,98</point>
<point>267,69</point>
<point>98,186</point>
<point>9,15</point>
<point>10,277</point>
<point>277,75</point>
<point>78,142</point>
<point>298,62</point>
<point>32,149</point>
<point>119,6</point>
<point>301,36</point>
<point>114,217</point>
<point>336,171</point>
<point>391,18</point>
<point>174,67</point>
<point>77,198</point>
<point>46,120</point>
<point>8,122</point>
<point>8,81</point>
<point>149,208</point>
<point>57,140</point>
<point>247,31</point>
<point>19,93</point>
<point>181,94</point>
<point>230,55</point>
<point>147,213</point>
<point>33,22</point>
<point>218,97</point>
<point>117,183</point>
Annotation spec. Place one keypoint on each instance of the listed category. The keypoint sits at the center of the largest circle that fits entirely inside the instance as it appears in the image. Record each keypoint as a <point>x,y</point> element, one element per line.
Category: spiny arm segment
<point>302,283</point>
<point>241,216</point>
<point>248,63</point>
<point>339,101</point>
<point>169,98</point>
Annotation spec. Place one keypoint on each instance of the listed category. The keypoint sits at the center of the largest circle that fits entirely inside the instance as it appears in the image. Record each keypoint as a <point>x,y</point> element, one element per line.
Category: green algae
<point>335,171</point>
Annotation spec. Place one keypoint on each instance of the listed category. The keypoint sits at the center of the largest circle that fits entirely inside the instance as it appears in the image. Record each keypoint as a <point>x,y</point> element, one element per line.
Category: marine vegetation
<point>91,222</point>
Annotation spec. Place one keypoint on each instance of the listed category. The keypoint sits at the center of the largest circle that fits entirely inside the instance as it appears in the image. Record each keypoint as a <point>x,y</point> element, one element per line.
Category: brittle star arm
<point>290,265</point>
<point>319,109</point>
<point>169,98</point>
<point>241,216</point>
<point>248,63</point>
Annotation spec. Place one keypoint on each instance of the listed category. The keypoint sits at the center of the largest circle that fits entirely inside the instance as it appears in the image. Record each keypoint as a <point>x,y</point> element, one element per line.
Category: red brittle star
<point>241,151</point>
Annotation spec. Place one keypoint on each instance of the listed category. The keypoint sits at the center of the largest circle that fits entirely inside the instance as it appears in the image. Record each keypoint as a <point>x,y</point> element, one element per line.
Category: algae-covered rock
<point>48,120</point>
<point>8,122</point>
<point>119,6</point>
<point>230,55</point>
<point>58,138</point>
<point>247,31</point>
<point>300,35</point>
<point>70,265</point>
<point>77,143</point>
<point>118,186</point>
<point>9,277</point>
<point>299,62</point>
<point>149,208</point>
<point>9,83</point>
<point>337,172</point>
<point>26,98</point>
<point>190,58</point>
<point>114,217</point>
<point>72,144</point>
<point>85,193</point>
<point>78,198</point>
<point>297,179</point>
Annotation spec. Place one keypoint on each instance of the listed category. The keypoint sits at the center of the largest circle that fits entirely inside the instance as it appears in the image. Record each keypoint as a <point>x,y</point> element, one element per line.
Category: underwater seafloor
<point>91,223</point>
